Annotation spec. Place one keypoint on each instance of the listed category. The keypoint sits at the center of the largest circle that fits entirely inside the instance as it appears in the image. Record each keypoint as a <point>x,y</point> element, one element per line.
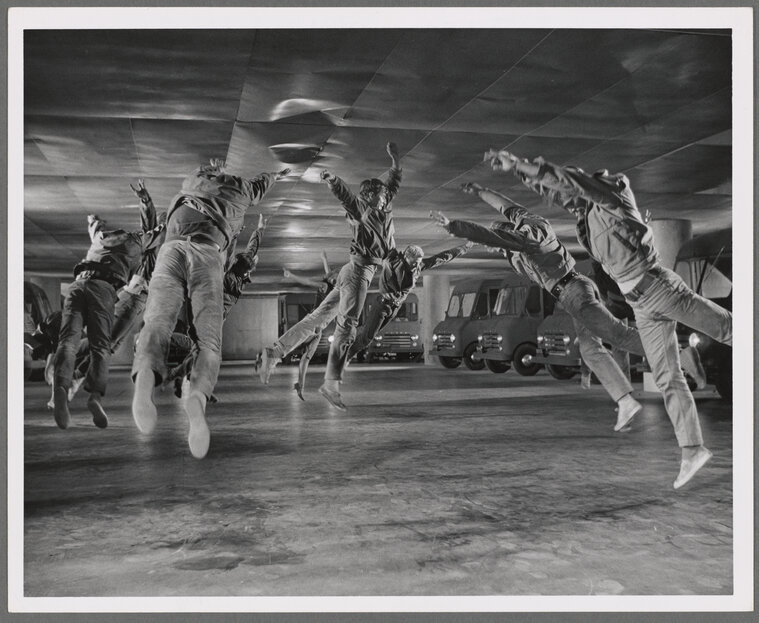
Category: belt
<point>561,283</point>
<point>101,275</point>
<point>651,275</point>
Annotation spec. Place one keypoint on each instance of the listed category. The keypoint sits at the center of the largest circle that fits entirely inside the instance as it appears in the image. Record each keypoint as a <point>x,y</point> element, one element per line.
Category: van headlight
<point>453,338</point>
<point>540,339</point>
<point>694,339</point>
<point>414,338</point>
<point>331,339</point>
<point>499,339</point>
<point>565,339</point>
<point>378,338</point>
<point>434,337</point>
<point>479,338</point>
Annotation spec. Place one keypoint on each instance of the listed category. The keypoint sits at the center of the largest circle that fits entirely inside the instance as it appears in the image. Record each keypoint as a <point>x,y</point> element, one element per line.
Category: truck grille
<point>444,341</point>
<point>553,344</point>
<point>490,341</point>
<point>395,340</point>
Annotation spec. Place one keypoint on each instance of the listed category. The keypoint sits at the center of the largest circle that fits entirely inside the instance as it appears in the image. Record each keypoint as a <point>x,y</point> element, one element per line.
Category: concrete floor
<point>436,482</point>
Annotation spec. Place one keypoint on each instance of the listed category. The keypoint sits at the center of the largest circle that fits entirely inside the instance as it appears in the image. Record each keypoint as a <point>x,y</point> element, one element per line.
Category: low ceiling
<point>103,108</point>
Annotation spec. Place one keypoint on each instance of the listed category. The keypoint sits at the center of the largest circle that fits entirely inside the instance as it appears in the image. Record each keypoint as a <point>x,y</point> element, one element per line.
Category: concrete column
<point>670,234</point>
<point>52,287</point>
<point>252,324</point>
<point>433,301</point>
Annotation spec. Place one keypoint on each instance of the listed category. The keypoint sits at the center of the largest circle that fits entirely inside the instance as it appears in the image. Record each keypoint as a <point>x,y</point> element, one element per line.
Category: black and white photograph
<point>380,310</point>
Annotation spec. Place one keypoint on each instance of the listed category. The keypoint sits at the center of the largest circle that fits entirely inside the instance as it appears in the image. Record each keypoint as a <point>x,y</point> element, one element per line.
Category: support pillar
<point>433,301</point>
<point>252,323</point>
<point>670,234</point>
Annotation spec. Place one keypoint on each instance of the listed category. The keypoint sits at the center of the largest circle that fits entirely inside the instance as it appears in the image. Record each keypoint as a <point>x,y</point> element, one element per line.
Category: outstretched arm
<point>344,194</point>
<point>396,173</point>
<point>148,219</point>
<point>497,200</point>
<point>304,281</point>
<point>325,263</point>
<point>446,256</point>
<point>482,235</point>
<point>259,186</point>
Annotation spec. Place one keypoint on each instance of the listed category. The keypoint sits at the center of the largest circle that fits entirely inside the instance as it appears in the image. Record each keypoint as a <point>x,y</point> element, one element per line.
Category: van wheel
<point>472,364</point>
<point>499,367</point>
<point>561,373</point>
<point>450,362</point>
<point>524,356</point>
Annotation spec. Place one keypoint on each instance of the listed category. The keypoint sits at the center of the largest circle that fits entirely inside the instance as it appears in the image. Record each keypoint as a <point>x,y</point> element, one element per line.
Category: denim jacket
<point>610,226</point>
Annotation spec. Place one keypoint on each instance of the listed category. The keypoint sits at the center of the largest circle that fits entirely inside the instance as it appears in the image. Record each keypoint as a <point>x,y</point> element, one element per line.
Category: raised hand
<point>500,160</point>
<point>392,151</point>
<point>326,175</point>
<point>262,222</point>
<point>140,190</point>
<point>440,219</point>
<point>283,173</point>
<point>471,188</point>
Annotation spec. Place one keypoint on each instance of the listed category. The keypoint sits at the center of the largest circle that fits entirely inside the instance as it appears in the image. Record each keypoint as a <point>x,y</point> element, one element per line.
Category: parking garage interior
<point>470,462</point>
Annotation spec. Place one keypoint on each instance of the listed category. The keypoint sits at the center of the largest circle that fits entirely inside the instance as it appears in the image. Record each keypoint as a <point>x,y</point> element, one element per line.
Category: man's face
<point>374,192</point>
<point>413,255</point>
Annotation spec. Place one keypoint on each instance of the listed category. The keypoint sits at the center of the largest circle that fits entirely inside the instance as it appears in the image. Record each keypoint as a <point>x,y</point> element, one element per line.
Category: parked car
<point>400,339</point>
<point>508,337</point>
<point>706,264</point>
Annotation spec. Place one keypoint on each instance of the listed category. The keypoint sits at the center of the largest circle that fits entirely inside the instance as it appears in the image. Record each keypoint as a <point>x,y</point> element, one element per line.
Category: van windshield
<point>454,306</point>
<point>510,301</point>
<point>715,279</point>
<point>467,304</point>
<point>408,311</point>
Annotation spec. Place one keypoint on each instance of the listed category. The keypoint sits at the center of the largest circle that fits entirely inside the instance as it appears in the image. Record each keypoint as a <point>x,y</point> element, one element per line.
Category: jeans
<point>381,314</point>
<point>128,308</point>
<point>310,326</point>
<point>352,284</point>
<point>195,270</point>
<point>664,303</point>
<point>594,325</point>
<point>89,303</point>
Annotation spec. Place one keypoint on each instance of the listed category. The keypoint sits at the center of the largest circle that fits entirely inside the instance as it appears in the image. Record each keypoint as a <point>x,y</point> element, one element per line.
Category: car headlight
<point>331,339</point>
<point>540,339</point>
<point>378,338</point>
<point>453,338</point>
<point>565,339</point>
<point>479,338</point>
<point>499,339</point>
<point>694,339</point>
<point>414,338</point>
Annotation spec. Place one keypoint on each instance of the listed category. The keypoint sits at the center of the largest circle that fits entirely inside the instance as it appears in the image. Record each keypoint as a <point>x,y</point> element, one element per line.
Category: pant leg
<point>72,323</point>
<point>352,284</point>
<point>601,362</point>
<point>670,297</point>
<point>205,287</point>
<point>582,294</point>
<point>304,330</point>
<point>101,299</point>
<point>165,297</point>
<point>128,308</point>
<point>663,354</point>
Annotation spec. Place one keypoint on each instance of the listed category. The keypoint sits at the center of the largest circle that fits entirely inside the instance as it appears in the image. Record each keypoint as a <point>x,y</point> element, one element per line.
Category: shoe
<point>334,398</point>
<point>61,407</point>
<point>99,417</point>
<point>268,363</point>
<point>585,381</point>
<point>689,467</point>
<point>143,408</point>
<point>199,437</point>
<point>75,387</point>
<point>299,390</point>
<point>627,413</point>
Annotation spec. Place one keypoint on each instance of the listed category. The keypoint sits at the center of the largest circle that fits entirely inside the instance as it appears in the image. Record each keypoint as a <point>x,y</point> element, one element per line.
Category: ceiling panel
<point>105,108</point>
